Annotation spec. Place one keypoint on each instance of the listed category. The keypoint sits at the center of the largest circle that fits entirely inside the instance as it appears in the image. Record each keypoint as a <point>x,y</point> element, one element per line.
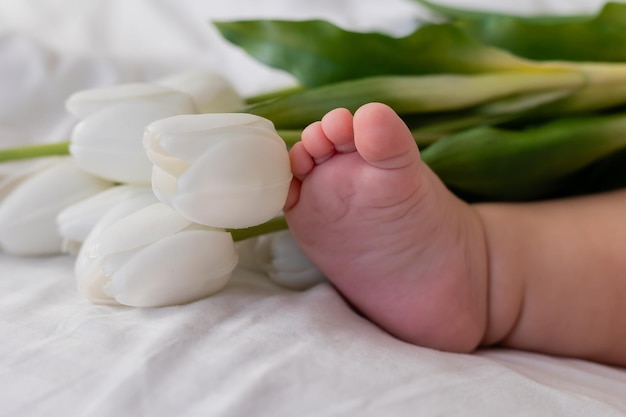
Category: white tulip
<point>228,170</point>
<point>154,257</point>
<point>279,256</point>
<point>28,214</point>
<point>76,221</point>
<point>211,92</point>
<point>108,143</point>
<point>85,102</point>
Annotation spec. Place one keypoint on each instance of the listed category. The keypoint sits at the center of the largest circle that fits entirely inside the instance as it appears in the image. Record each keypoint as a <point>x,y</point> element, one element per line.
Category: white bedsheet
<point>254,349</point>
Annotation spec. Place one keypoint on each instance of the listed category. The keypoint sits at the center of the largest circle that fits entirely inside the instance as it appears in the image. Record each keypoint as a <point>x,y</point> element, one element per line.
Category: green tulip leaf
<point>451,12</point>
<point>493,95</point>
<point>317,52</point>
<point>496,164</point>
<point>599,37</point>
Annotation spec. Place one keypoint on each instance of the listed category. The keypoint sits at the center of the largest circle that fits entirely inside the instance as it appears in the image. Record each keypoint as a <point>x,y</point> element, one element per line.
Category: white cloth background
<point>254,349</point>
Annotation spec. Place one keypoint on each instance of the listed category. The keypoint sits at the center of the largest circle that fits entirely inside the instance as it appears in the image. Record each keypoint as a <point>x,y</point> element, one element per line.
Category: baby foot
<point>378,222</point>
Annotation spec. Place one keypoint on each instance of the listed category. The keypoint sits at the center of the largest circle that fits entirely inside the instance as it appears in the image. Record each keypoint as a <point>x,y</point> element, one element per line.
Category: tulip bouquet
<point>165,183</point>
<point>154,194</point>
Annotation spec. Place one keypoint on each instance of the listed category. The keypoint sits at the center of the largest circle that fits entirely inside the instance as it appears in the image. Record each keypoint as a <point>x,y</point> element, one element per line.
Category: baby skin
<point>437,272</point>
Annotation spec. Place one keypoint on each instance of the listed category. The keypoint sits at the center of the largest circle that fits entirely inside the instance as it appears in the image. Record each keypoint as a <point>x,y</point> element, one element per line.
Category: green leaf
<point>466,14</point>
<point>419,94</point>
<point>600,37</point>
<point>317,52</point>
<point>491,163</point>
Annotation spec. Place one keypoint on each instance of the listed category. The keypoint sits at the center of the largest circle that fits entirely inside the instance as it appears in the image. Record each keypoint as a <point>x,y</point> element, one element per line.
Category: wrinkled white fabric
<point>254,349</point>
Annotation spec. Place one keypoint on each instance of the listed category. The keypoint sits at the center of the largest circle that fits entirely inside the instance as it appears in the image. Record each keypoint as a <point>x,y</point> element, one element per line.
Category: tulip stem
<point>275,225</point>
<point>34,151</point>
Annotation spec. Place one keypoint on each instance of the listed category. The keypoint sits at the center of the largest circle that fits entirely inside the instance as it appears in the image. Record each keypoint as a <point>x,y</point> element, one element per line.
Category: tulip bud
<point>227,170</point>
<point>108,143</point>
<point>86,102</point>
<point>28,214</point>
<point>211,92</point>
<point>280,257</point>
<point>154,257</point>
<point>75,222</point>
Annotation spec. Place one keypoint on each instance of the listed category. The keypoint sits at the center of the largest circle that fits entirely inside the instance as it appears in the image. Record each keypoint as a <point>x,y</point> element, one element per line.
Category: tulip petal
<point>116,260</point>
<point>160,158</point>
<point>92,281</point>
<point>75,222</point>
<point>296,280</point>
<point>232,210</point>
<point>211,92</point>
<point>142,197</point>
<point>115,164</point>
<point>279,255</point>
<point>175,270</point>
<point>241,183</point>
<point>167,130</point>
<point>87,102</point>
<point>164,185</point>
<point>190,146</point>
<point>138,229</point>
